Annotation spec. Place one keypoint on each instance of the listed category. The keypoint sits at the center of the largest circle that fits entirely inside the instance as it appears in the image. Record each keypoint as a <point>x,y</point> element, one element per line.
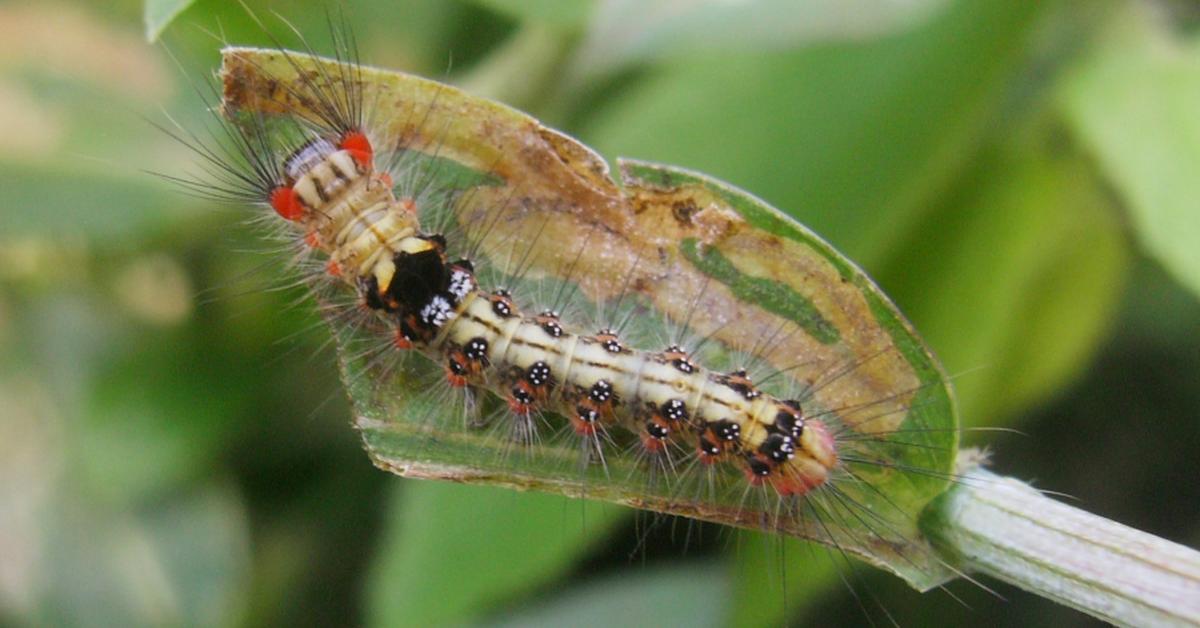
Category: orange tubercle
<point>455,381</point>
<point>652,445</point>
<point>518,407</point>
<point>286,203</point>
<point>752,478</point>
<point>359,147</point>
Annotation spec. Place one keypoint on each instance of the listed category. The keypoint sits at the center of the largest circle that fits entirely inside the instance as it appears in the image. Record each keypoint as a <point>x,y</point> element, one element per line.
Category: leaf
<point>857,142</point>
<point>629,31</point>
<point>774,578</point>
<point>565,13</point>
<point>158,15</point>
<point>695,593</point>
<point>663,222</point>
<point>458,550</point>
<point>1133,104</point>
<point>180,564</point>
<point>125,451</point>
<point>74,143</point>
<point>130,207</point>
<point>1030,273</point>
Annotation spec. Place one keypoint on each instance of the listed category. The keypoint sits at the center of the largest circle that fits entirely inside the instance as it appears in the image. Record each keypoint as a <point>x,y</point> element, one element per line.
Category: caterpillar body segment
<point>346,209</point>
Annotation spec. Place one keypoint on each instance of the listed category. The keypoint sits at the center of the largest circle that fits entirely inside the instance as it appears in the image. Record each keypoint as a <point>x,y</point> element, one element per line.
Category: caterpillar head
<point>319,170</point>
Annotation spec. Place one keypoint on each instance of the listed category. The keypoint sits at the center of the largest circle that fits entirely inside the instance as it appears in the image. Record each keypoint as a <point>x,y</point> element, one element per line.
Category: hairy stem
<point>1007,529</point>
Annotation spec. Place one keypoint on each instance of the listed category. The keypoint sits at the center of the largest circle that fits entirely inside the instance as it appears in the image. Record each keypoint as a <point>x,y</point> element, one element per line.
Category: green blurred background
<point>1023,178</point>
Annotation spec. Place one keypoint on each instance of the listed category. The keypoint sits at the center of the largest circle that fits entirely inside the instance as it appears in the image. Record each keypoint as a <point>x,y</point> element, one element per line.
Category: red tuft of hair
<point>359,147</point>
<point>286,203</point>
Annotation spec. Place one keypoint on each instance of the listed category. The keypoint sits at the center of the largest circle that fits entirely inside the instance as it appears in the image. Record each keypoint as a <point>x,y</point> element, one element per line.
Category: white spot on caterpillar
<point>460,284</point>
<point>436,312</point>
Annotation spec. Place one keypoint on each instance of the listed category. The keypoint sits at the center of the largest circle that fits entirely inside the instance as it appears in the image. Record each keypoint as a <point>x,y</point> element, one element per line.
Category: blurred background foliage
<point>1022,177</point>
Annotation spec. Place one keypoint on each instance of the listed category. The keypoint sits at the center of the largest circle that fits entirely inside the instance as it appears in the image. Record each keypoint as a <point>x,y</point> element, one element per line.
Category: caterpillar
<point>418,214</point>
<point>346,210</point>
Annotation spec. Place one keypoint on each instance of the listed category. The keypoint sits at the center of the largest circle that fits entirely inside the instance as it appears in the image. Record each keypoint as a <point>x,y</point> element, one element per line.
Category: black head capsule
<point>420,286</point>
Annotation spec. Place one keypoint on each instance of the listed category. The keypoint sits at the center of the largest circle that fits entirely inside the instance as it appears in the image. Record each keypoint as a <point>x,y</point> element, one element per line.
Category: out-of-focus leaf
<point>629,31</point>
<point>158,15</point>
<point>180,563</point>
<point>855,141</point>
<point>774,578</point>
<point>134,443</point>
<point>201,540</point>
<point>45,202</point>
<point>692,594</point>
<point>1133,103</point>
<point>71,90</point>
<point>71,560</point>
<point>79,552</point>
<point>566,13</point>
<point>68,44</point>
<point>1031,263</point>
<point>750,262</point>
<point>456,551</point>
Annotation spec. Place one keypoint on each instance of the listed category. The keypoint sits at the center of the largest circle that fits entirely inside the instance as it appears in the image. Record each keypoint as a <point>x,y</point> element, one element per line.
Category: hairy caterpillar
<point>430,239</point>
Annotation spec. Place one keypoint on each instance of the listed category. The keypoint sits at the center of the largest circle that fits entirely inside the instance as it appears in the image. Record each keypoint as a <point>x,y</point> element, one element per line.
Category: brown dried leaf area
<point>562,215</point>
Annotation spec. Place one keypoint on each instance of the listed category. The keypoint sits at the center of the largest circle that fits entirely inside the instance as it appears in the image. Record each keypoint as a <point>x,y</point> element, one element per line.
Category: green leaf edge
<point>157,21</point>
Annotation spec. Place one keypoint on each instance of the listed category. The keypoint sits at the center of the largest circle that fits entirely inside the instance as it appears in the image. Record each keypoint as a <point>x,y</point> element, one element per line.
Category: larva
<point>346,209</point>
<point>842,423</point>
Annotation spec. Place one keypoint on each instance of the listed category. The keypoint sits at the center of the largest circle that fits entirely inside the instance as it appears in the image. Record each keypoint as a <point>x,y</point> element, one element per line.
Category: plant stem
<point>1007,529</point>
